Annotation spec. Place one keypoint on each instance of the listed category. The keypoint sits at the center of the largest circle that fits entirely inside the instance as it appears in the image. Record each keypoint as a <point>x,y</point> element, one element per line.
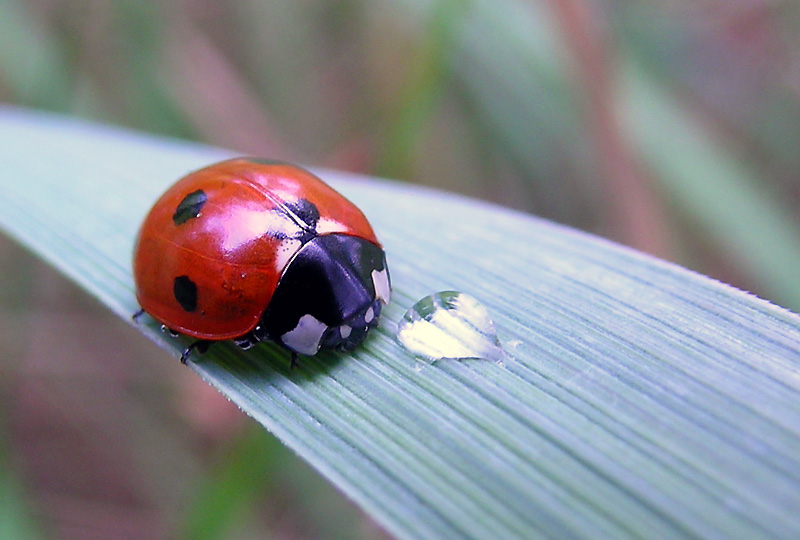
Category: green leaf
<point>643,400</point>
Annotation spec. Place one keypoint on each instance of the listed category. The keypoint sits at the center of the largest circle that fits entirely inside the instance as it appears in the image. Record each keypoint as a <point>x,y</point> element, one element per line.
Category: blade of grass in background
<point>510,65</point>
<point>16,522</point>
<point>513,67</point>
<point>715,188</point>
<point>749,93</point>
<point>643,400</point>
<point>41,79</point>
<point>140,36</point>
<point>230,492</point>
<point>422,89</point>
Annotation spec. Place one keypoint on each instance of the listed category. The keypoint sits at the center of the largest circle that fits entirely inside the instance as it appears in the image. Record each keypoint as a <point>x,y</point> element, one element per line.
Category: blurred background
<point>671,126</point>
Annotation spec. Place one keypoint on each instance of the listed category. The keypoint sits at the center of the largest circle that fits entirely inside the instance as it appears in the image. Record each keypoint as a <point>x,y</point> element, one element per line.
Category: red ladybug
<point>255,250</point>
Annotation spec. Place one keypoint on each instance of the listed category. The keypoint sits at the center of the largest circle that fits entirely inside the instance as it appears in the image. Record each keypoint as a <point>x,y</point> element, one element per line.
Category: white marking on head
<point>369,315</point>
<point>381,282</point>
<point>345,330</point>
<point>305,337</point>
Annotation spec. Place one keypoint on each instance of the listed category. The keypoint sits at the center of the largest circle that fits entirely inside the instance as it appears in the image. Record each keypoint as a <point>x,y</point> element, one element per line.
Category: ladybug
<point>255,250</point>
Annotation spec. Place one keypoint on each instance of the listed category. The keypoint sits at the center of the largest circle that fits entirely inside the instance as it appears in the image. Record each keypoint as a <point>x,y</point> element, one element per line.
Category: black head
<point>330,295</point>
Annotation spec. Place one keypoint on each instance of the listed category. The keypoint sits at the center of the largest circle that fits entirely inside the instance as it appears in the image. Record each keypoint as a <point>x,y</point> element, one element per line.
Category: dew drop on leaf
<point>450,324</point>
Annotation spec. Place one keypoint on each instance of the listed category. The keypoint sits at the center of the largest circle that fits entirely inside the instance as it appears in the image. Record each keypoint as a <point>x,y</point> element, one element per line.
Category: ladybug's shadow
<point>264,363</point>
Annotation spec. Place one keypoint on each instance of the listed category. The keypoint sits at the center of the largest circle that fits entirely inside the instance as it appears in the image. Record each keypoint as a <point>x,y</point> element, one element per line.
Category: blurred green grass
<point>666,126</point>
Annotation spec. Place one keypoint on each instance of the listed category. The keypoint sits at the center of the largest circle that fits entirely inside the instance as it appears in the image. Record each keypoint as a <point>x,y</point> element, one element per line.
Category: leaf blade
<point>644,399</point>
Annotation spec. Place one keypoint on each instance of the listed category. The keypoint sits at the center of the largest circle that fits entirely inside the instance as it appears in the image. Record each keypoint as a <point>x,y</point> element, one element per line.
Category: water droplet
<point>450,324</point>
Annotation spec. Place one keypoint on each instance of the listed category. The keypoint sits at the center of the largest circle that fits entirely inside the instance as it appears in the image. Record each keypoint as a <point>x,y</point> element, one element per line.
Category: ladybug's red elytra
<point>259,250</point>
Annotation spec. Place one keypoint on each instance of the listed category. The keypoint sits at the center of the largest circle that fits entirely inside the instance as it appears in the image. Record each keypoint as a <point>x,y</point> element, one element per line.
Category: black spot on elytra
<point>306,211</point>
<point>185,291</point>
<point>190,207</point>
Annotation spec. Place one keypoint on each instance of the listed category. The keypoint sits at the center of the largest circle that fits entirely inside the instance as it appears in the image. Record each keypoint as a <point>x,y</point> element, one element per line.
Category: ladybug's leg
<point>138,314</point>
<point>201,346</point>
<point>170,331</point>
<point>246,341</point>
<point>293,363</point>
